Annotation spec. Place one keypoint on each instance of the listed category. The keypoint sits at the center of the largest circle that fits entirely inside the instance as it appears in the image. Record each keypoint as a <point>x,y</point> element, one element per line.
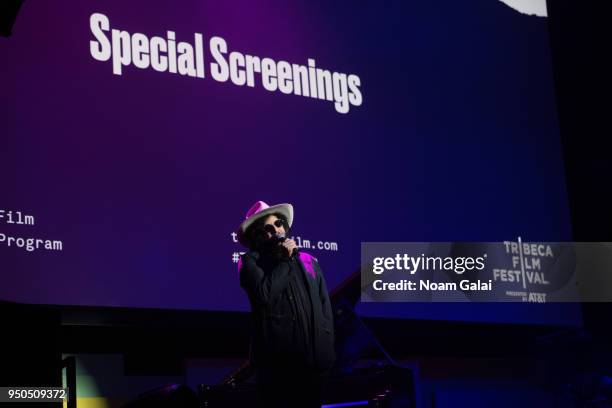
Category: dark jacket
<point>280,329</point>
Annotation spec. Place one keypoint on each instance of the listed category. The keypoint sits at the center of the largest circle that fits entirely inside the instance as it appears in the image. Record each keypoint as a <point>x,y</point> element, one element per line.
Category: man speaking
<point>292,343</point>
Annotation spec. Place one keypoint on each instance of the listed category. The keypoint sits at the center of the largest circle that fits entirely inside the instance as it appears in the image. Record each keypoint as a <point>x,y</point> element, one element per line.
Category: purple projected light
<point>137,136</point>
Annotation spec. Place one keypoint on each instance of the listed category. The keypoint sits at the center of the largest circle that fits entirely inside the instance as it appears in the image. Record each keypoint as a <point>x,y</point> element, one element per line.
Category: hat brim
<point>285,209</point>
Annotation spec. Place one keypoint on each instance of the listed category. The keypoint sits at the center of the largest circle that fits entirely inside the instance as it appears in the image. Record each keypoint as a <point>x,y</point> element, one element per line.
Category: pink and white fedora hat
<point>261,209</point>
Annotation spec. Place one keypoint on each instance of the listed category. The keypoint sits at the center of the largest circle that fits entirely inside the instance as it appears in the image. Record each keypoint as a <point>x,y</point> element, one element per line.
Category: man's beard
<point>271,248</point>
<point>279,252</point>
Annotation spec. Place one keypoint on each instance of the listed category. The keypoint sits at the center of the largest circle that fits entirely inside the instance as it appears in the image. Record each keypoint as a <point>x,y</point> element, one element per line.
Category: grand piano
<point>364,373</point>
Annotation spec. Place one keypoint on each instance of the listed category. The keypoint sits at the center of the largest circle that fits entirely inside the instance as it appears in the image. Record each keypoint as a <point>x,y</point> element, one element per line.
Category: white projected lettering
<point>162,54</point>
<point>28,243</point>
<point>166,54</point>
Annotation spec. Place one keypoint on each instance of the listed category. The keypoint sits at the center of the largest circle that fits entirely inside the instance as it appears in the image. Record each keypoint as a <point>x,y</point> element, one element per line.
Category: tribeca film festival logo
<point>525,269</point>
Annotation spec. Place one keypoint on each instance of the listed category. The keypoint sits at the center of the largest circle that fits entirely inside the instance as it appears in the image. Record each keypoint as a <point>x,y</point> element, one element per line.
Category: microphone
<point>282,238</point>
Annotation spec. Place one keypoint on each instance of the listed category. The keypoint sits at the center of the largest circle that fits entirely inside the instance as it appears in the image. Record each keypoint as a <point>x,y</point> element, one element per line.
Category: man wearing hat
<point>292,342</point>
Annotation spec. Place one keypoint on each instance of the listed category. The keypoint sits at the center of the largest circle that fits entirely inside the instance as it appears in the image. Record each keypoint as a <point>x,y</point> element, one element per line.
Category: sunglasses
<point>270,227</point>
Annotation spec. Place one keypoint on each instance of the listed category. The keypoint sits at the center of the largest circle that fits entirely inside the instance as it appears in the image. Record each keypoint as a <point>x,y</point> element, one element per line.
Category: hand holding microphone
<point>289,244</point>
